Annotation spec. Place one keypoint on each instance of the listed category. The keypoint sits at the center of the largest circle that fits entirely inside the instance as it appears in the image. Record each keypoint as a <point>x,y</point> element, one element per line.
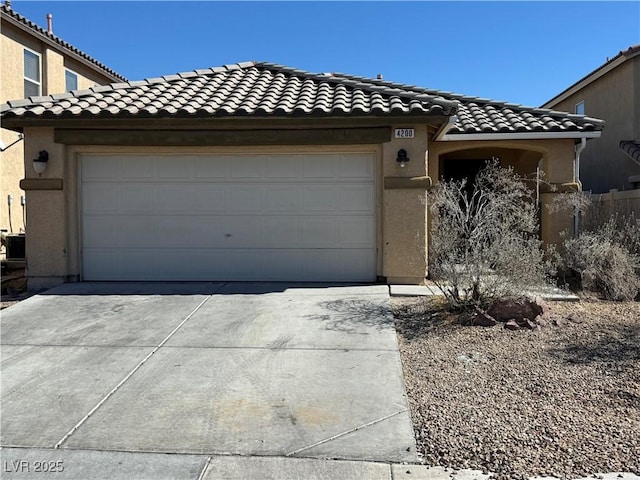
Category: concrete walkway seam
<point>204,468</point>
<point>133,371</point>
<point>355,429</point>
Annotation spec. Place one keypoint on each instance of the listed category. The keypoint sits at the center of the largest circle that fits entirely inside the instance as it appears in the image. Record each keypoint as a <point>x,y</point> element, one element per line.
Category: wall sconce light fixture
<point>402,157</point>
<point>40,163</point>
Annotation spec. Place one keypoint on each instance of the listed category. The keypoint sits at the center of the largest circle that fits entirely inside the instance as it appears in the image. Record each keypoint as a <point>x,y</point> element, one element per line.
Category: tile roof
<point>7,11</point>
<point>265,89</point>
<point>249,88</point>
<point>483,115</point>
<point>632,149</point>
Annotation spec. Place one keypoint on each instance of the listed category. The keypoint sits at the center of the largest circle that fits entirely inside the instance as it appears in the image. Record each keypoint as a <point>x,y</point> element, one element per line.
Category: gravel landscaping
<point>562,400</point>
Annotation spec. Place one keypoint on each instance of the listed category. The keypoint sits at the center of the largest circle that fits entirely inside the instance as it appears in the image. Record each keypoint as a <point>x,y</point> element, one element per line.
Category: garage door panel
<point>101,198</point>
<point>356,198</point>
<point>318,232</point>
<point>100,168</point>
<point>353,261</point>
<point>356,166</point>
<point>228,217</point>
<point>321,166</point>
<point>281,232</point>
<point>283,198</point>
<point>137,198</point>
<point>210,198</point>
<point>138,167</point>
<point>103,264</point>
<point>246,198</point>
<point>356,232</point>
<point>287,167</point>
<point>170,198</point>
<point>320,198</point>
<point>247,166</point>
<point>170,169</point>
<point>138,231</point>
<point>101,231</point>
<point>209,167</point>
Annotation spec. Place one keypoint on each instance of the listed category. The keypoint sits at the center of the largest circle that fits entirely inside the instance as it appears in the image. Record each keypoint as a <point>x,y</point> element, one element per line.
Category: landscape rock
<point>483,319</point>
<point>520,309</point>
<point>512,325</point>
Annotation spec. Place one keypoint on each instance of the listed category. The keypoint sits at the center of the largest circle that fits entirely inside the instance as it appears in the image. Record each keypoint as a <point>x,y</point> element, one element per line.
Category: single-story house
<point>257,171</point>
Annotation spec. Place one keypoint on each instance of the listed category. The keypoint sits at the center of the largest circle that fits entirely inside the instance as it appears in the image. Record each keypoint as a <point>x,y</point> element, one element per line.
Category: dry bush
<point>484,238</point>
<point>605,255</point>
<point>604,259</point>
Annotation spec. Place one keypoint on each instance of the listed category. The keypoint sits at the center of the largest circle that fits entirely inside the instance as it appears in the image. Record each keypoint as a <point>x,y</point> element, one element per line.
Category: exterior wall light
<point>402,157</point>
<point>40,163</point>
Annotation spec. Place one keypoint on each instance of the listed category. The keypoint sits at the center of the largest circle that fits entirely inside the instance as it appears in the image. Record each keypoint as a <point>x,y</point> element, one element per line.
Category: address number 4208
<point>405,133</point>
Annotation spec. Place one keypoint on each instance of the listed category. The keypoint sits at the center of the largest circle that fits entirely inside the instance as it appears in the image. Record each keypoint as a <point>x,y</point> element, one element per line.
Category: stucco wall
<point>405,211</point>
<point>53,242</point>
<point>53,64</point>
<point>615,98</point>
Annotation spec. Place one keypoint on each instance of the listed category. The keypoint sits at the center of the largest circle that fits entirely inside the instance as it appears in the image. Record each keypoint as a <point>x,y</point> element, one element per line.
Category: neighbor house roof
<point>270,90</point>
<point>632,149</point>
<point>603,69</point>
<point>24,24</point>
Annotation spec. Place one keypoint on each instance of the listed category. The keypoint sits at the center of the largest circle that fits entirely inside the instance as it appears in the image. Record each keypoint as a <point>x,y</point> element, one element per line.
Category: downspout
<point>576,178</point>
<point>444,129</point>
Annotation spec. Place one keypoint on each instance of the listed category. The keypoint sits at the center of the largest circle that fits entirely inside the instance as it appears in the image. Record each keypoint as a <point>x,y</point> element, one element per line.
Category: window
<point>71,80</point>
<point>32,78</point>
<point>580,108</point>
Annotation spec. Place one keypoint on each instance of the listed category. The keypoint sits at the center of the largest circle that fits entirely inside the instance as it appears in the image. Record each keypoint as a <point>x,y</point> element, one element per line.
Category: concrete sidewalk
<point>63,464</point>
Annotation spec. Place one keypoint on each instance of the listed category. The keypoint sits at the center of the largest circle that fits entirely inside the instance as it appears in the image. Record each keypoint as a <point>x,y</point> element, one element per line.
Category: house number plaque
<point>405,132</point>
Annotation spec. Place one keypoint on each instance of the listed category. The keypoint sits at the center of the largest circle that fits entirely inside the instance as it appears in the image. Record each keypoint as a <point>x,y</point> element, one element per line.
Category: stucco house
<point>258,171</point>
<point>610,92</point>
<point>33,62</point>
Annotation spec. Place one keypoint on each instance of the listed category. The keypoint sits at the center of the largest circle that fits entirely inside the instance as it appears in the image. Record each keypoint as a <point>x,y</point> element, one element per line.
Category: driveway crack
<point>134,370</point>
<point>347,432</point>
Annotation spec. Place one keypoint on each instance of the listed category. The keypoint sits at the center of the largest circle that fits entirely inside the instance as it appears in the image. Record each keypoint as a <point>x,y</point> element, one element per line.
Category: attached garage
<point>301,217</point>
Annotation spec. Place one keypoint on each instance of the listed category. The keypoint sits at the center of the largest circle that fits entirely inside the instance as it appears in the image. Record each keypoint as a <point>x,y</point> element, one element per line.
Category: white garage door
<point>228,217</point>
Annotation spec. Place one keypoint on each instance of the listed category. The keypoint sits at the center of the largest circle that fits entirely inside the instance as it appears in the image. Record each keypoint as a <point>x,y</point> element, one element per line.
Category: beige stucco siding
<point>54,62</point>
<point>404,211</point>
<point>615,98</point>
<point>54,239</point>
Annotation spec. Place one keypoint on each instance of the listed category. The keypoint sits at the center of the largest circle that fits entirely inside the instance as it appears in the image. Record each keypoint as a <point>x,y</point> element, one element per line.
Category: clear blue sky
<point>523,52</point>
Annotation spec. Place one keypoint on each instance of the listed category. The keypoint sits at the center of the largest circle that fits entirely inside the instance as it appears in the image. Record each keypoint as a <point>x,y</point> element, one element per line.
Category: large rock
<point>523,311</point>
<point>483,319</point>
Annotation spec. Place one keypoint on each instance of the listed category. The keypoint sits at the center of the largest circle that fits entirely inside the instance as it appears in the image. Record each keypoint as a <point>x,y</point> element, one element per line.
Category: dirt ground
<point>562,400</point>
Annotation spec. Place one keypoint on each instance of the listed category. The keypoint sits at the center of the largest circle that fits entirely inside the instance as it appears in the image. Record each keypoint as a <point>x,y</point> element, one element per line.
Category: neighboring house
<point>610,92</point>
<point>257,171</point>
<point>34,62</point>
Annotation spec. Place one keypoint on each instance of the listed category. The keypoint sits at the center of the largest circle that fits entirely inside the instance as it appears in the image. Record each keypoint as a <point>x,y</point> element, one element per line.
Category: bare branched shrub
<point>484,238</point>
<point>606,258</point>
<point>605,255</point>
<point>603,263</point>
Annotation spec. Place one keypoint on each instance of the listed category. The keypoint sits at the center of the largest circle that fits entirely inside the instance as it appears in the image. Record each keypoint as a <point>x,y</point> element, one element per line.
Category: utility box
<point>15,246</point>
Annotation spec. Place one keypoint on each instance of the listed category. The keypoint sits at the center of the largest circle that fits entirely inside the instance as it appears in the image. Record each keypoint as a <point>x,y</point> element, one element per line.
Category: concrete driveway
<point>204,369</point>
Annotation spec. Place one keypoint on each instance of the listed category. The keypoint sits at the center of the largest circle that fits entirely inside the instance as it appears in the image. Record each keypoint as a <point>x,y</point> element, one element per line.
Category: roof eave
<point>593,76</point>
<point>18,123</point>
<point>52,43</point>
<point>461,137</point>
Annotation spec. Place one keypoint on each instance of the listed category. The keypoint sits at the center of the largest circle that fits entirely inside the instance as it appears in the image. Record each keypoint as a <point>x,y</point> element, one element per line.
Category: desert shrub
<point>606,259</point>
<point>484,238</point>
